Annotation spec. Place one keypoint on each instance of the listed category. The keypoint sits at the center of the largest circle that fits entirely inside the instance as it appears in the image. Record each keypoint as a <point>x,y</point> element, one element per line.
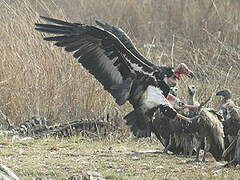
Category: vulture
<point>208,131</point>
<point>206,128</point>
<point>171,132</point>
<point>231,125</point>
<point>230,112</point>
<point>183,137</point>
<point>180,138</point>
<point>110,56</point>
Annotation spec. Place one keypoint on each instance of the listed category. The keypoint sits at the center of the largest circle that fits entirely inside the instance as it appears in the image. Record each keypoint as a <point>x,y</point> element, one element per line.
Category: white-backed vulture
<point>206,128</point>
<point>231,126</point>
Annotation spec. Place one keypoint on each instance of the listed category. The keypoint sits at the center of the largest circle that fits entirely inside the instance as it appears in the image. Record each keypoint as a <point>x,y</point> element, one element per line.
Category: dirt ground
<point>112,157</point>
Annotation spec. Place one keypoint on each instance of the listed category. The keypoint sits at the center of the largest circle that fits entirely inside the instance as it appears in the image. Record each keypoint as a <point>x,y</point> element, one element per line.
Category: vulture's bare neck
<point>224,101</point>
<point>192,99</point>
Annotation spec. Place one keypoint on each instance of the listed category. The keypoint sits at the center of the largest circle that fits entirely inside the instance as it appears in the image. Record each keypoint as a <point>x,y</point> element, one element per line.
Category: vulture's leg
<point>198,152</point>
<point>204,154</point>
<point>207,144</point>
<point>185,146</point>
<point>237,150</point>
<point>190,146</point>
<point>204,150</point>
<point>199,143</point>
<point>169,144</point>
<point>236,159</point>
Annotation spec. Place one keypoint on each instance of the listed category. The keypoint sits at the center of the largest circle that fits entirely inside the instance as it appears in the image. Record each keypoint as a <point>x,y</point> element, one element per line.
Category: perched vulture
<point>230,112</point>
<point>177,137</point>
<point>208,131</point>
<point>172,133</point>
<point>206,128</point>
<point>182,136</point>
<point>231,126</point>
<point>110,56</point>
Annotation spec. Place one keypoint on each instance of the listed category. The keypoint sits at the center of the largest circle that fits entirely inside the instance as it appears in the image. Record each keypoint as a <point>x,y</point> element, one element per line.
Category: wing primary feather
<point>55,27</point>
<point>101,52</point>
<point>125,39</point>
<point>57,21</point>
<point>56,38</point>
<point>52,31</point>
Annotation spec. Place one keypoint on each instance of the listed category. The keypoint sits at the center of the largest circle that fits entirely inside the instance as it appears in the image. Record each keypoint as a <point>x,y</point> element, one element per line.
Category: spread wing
<point>101,53</point>
<point>125,39</point>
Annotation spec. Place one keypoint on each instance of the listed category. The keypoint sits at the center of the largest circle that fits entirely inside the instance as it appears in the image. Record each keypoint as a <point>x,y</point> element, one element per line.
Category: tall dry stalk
<point>37,78</point>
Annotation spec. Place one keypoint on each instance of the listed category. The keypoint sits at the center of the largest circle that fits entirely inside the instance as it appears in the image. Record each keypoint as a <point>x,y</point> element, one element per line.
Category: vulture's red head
<point>182,69</point>
<point>178,71</point>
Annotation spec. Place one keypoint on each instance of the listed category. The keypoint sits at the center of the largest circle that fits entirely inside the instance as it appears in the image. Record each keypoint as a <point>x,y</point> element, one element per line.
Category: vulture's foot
<point>204,160</point>
<point>169,145</point>
<point>165,151</point>
<point>197,159</point>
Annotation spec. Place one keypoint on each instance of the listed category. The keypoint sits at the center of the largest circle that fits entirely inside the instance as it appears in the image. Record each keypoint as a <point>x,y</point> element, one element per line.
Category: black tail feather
<point>139,123</point>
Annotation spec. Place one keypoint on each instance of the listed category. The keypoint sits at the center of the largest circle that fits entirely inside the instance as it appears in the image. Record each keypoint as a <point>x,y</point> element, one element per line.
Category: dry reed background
<point>38,79</point>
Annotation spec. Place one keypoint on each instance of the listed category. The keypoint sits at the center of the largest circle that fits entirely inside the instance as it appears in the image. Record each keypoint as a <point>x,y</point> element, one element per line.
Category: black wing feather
<point>125,39</point>
<point>99,51</point>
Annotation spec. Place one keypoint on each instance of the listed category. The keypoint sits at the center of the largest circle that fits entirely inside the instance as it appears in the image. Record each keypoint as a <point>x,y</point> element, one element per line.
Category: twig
<point>229,70</point>
<point>173,44</point>
<point>205,102</point>
<point>150,47</point>
<point>230,147</point>
<point>5,118</point>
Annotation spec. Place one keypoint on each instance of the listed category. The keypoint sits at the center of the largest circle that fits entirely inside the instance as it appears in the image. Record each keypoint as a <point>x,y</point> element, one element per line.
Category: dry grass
<point>39,79</point>
<point>114,158</point>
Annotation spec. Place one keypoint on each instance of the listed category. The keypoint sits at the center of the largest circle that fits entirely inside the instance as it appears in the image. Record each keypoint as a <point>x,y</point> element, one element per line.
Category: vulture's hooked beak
<point>220,93</point>
<point>224,93</point>
<point>182,69</point>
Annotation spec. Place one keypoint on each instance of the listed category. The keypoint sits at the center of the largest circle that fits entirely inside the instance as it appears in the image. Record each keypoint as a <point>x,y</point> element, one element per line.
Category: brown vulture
<point>172,133</point>
<point>206,128</point>
<point>110,56</point>
<point>231,126</point>
<point>230,112</point>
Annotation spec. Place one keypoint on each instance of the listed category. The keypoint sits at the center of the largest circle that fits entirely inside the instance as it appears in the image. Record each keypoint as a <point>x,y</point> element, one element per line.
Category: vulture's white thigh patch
<point>154,97</point>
